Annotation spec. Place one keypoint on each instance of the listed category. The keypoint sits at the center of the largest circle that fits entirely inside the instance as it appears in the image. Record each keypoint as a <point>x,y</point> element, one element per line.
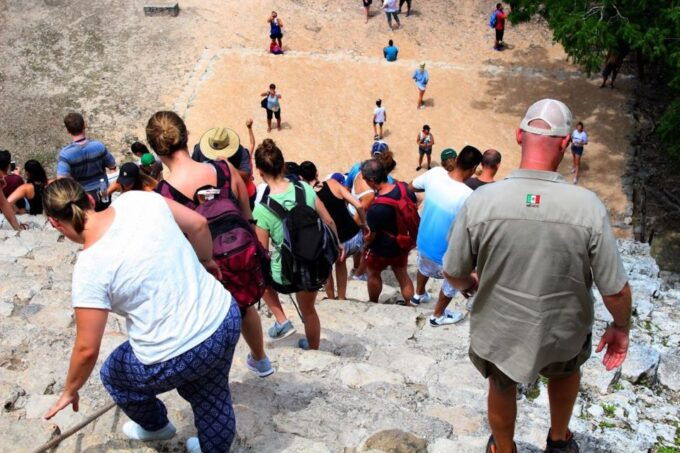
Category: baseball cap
<point>148,159</point>
<point>129,173</point>
<point>339,177</point>
<point>448,153</point>
<point>555,113</point>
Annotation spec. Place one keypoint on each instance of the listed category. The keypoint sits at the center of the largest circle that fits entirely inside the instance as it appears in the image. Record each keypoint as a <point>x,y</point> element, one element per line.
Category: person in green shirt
<point>270,164</point>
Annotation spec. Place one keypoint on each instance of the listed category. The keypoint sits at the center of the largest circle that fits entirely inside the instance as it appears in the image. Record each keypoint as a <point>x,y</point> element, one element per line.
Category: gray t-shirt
<point>538,244</point>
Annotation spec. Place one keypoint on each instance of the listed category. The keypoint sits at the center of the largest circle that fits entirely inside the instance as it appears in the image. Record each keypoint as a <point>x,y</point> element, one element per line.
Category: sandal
<point>491,446</point>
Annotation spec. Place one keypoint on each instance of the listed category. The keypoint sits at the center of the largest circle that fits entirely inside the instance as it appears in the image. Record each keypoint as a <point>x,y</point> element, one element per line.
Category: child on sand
<point>379,118</point>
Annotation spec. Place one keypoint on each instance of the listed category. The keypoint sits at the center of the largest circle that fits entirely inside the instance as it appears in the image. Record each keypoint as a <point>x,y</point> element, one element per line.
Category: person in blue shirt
<point>421,77</point>
<point>391,51</point>
<point>84,160</point>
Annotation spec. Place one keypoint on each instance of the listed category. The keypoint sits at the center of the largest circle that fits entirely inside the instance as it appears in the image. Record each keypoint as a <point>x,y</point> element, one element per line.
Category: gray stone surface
<point>380,368</point>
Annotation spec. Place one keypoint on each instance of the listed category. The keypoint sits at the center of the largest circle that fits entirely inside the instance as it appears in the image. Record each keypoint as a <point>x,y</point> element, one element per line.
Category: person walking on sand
<point>391,11</point>
<point>612,64</point>
<point>425,141</point>
<point>379,118</point>
<point>531,247</point>
<point>367,7</point>
<point>271,103</point>
<point>422,78</point>
<point>275,29</point>
<point>579,139</point>
<point>149,260</point>
<point>408,6</point>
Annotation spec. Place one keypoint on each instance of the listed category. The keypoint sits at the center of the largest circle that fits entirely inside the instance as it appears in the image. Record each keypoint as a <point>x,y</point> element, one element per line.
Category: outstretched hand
<point>249,123</point>
<point>616,340</point>
<point>64,400</point>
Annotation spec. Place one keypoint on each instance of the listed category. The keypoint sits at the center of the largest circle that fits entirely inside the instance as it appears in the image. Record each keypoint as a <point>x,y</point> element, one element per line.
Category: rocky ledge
<point>384,380</point>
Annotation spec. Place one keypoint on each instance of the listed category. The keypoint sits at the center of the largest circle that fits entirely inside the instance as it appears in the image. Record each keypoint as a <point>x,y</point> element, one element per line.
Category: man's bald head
<point>541,152</point>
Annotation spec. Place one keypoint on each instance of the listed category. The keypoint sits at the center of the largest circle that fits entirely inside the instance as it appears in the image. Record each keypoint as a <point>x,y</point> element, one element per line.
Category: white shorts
<point>430,269</point>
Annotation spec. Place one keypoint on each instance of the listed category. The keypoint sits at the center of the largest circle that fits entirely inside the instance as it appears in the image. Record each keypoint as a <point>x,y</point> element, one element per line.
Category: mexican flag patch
<point>533,201</point>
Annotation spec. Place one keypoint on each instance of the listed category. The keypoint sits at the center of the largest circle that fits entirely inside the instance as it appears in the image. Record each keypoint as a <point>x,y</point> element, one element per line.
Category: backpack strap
<point>223,173</point>
<point>300,198</point>
<point>278,210</point>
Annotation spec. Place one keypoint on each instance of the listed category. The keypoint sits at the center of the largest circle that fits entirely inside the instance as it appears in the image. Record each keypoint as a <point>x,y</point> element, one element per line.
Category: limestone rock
<point>362,374</point>
<point>394,441</point>
<point>669,371</point>
<point>641,363</point>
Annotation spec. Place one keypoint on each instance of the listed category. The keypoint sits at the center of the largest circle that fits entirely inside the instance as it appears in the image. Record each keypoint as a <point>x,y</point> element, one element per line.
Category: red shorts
<point>379,263</point>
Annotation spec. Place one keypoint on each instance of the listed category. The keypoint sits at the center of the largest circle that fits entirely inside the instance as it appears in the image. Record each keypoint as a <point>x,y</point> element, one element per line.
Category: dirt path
<point>210,64</point>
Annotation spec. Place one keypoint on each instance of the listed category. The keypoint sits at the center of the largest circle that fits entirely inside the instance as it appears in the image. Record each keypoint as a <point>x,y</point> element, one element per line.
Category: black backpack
<point>309,248</point>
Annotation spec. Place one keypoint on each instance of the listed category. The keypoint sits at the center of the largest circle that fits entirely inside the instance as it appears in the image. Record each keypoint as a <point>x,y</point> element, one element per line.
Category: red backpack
<point>408,219</point>
<point>243,261</point>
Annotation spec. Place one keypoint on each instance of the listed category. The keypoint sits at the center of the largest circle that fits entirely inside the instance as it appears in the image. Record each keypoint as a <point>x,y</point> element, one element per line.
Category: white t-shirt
<point>391,6</point>
<point>444,197</point>
<point>579,138</point>
<point>379,115</point>
<point>143,268</point>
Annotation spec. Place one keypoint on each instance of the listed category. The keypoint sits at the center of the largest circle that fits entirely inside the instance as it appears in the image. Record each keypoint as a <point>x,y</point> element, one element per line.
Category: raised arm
<point>238,187</point>
<point>251,135</point>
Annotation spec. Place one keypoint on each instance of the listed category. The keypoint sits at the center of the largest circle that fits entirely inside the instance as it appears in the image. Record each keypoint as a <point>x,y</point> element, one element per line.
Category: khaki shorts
<point>553,370</point>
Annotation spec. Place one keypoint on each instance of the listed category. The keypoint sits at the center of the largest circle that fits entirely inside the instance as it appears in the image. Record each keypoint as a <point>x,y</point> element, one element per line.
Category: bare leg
<point>562,394</point>
<point>269,124</point>
<point>251,329</point>
<point>420,98</point>
<point>502,406</point>
<point>366,15</point>
<point>614,74</point>
<point>374,284</point>
<point>361,268</point>
<point>375,129</point>
<point>278,122</point>
<point>405,283</point>
<point>381,131</point>
<point>271,298</point>
<point>280,43</point>
<point>306,301</point>
<point>577,166</point>
<point>420,161</point>
<point>421,281</point>
<point>341,276</point>
<point>330,287</point>
<point>442,303</point>
<point>429,160</point>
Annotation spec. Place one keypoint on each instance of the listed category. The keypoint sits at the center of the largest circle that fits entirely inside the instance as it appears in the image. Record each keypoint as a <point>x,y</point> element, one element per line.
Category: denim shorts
<point>430,269</point>
<point>354,245</point>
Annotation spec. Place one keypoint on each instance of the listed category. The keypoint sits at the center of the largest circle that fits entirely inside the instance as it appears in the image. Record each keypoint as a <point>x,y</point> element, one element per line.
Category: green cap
<point>148,159</point>
<point>448,153</point>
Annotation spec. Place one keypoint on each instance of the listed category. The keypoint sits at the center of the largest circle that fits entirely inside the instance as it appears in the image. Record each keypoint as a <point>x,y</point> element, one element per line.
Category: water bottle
<point>103,191</point>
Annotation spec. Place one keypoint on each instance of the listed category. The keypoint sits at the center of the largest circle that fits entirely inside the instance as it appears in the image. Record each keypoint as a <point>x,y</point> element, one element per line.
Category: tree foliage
<point>649,30</point>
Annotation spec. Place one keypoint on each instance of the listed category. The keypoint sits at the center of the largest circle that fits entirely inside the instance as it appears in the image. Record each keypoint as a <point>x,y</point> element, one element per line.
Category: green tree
<point>647,29</point>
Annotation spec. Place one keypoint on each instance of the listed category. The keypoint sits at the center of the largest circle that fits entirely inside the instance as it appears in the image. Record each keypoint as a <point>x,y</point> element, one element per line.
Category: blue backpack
<point>492,20</point>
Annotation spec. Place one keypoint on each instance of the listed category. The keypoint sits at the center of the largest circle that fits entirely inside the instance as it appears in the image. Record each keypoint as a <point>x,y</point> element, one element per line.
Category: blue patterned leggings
<point>200,375</point>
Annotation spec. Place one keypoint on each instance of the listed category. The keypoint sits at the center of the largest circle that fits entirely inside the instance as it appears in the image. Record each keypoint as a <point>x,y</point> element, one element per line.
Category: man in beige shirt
<point>537,245</point>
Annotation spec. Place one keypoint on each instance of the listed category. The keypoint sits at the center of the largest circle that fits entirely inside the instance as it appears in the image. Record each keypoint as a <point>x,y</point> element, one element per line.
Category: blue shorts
<point>578,150</point>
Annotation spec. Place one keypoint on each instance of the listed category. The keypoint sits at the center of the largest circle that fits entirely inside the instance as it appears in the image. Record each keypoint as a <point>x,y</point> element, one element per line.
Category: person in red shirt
<point>500,26</point>
<point>12,180</point>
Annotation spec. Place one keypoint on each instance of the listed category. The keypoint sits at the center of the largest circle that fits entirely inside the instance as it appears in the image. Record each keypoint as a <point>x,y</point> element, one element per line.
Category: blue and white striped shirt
<point>86,162</point>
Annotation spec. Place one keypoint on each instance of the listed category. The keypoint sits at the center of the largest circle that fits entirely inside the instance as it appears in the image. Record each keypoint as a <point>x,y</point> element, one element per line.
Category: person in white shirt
<point>579,138</point>
<point>149,259</point>
<point>379,118</point>
<point>391,11</point>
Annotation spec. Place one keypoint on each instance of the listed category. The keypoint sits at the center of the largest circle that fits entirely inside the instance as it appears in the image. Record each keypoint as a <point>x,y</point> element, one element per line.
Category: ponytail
<point>67,201</point>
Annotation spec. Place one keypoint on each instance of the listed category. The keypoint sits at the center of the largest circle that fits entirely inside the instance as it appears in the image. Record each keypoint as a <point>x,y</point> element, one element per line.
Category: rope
<point>57,440</point>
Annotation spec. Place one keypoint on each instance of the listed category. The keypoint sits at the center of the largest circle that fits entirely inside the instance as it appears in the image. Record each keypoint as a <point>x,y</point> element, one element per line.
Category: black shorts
<point>271,114</point>
<point>276,36</point>
<point>378,123</point>
<point>608,69</point>
<point>499,35</point>
<point>424,151</point>
<point>367,3</point>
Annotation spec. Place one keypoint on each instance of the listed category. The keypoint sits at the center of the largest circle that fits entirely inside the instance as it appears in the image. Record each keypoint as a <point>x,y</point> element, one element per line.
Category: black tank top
<point>337,208</point>
<point>37,201</point>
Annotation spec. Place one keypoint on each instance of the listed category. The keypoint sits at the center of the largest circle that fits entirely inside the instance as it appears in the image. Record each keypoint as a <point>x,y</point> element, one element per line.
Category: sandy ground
<point>210,64</point>
<point>476,96</point>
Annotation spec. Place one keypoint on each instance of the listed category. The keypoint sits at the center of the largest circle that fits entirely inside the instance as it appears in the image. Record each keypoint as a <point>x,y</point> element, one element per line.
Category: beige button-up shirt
<point>538,243</point>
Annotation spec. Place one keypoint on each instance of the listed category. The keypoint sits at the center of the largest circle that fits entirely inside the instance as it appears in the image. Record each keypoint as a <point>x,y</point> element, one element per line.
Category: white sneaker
<point>192,445</point>
<point>136,432</point>
<point>449,317</point>
<point>421,299</point>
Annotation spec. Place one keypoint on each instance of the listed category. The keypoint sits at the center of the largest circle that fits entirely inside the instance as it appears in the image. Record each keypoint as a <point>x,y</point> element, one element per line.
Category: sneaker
<point>192,445</point>
<point>136,432</point>
<point>362,277</point>
<point>421,299</point>
<point>449,317</point>
<point>281,331</point>
<point>563,446</point>
<point>575,180</point>
<point>422,107</point>
<point>303,344</point>
<point>262,368</point>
